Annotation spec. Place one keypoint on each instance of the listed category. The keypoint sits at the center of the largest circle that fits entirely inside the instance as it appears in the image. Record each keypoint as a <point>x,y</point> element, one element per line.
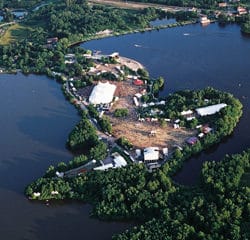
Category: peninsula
<point>130,142</point>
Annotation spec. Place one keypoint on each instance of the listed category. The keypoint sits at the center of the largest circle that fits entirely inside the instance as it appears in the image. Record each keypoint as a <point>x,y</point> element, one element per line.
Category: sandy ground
<point>132,64</point>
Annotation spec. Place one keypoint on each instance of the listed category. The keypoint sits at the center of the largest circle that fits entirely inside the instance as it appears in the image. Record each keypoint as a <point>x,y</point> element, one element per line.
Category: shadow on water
<point>36,127</point>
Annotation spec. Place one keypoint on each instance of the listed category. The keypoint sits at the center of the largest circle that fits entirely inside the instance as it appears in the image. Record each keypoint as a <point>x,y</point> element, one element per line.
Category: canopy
<point>209,110</point>
<point>138,82</point>
<point>102,93</point>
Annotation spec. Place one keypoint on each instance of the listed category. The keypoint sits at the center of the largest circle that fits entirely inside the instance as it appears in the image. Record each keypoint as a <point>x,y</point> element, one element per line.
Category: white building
<point>102,93</point>
<point>117,162</point>
<point>151,154</point>
<point>210,110</point>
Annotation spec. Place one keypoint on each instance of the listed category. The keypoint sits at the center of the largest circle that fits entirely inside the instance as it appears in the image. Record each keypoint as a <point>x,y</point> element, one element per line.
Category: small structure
<point>53,40</point>
<point>138,153</point>
<point>138,82</point>
<point>241,10</point>
<point>102,93</point>
<point>204,20</point>
<point>206,129</point>
<point>117,162</point>
<point>188,112</point>
<point>114,55</point>
<point>222,4</point>
<point>36,194</point>
<point>165,151</point>
<point>59,174</point>
<point>201,135</point>
<point>151,154</point>
<point>136,101</point>
<point>210,110</point>
<point>176,126</point>
<point>192,140</point>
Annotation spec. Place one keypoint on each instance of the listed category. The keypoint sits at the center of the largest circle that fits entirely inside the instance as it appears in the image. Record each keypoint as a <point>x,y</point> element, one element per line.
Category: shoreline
<point>149,29</point>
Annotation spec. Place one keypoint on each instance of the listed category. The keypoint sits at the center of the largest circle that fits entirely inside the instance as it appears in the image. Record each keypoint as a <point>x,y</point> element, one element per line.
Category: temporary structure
<point>209,110</point>
<point>102,93</point>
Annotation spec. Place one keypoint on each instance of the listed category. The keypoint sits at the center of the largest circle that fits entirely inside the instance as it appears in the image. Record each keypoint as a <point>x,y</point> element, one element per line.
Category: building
<point>204,20</point>
<point>241,10</point>
<point>210,110</point>
<point>117,162</point>
<point>222,4</point>
<point>151,154</point>
<point>102,93</point>
<point>138,82</point>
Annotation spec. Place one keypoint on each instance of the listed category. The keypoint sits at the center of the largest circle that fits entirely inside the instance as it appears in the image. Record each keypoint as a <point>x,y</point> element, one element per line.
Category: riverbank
<point>148,29</point>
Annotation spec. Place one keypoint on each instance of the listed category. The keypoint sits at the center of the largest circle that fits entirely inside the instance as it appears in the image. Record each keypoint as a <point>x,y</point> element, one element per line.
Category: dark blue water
<point>193,57</point>
<point>35,121</point>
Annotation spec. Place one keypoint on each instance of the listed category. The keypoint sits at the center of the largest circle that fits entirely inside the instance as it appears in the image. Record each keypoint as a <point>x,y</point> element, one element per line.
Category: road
<point>138,5</point>
<point>5,24</point>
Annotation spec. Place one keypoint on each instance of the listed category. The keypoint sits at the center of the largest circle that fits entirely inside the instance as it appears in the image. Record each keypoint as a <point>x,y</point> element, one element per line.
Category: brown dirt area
<point>138,133</point>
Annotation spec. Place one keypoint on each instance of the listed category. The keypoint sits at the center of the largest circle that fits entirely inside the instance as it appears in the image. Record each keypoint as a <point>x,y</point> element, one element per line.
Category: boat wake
<point>137,45</point>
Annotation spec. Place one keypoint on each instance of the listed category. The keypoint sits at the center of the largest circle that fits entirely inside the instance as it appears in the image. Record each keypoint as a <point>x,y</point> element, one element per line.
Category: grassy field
<point>14,33</point>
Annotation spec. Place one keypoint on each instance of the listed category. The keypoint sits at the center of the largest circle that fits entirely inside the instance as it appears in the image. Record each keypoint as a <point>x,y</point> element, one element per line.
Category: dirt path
<point>137,5</point>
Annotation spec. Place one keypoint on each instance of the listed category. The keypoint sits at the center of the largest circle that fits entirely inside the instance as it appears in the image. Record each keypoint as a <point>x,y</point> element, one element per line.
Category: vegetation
<point>217,208</point>
<point>105,124</point>
<point>121,112</point>
<point>245,27</point>
<point>83,136</point>
<point>123,142</point>
<point>214,210</point>
<point>157,85</point>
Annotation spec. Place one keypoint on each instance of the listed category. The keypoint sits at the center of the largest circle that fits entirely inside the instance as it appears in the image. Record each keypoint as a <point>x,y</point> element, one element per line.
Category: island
<point>131,141</point>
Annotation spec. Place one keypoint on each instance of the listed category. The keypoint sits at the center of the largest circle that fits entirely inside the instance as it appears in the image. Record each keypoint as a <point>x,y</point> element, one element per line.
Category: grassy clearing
<point>14,33</point>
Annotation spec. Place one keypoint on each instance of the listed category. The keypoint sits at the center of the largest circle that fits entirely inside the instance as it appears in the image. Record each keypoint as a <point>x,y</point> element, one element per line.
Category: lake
<point>35,122</point>
<point>193,57</point>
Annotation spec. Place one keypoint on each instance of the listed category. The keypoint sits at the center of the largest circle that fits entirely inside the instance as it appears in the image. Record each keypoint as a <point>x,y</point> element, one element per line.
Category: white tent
<point>209,110</point>
<point>151,154</point>
<point>102,93</point>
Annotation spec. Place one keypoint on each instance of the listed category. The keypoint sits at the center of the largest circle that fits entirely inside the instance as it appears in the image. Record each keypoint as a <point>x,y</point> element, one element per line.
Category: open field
<point>137,5</point>
<point>13,33</point>
<point>138,133</point>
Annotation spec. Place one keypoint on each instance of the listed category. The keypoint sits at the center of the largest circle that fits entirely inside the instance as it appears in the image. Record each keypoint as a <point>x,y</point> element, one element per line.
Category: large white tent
<point>209,110</point>
<point>102,93</point>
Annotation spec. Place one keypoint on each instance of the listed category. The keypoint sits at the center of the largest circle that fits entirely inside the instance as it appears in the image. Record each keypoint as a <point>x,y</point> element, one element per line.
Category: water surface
<point>35,121</point>
<point>193,57</point>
